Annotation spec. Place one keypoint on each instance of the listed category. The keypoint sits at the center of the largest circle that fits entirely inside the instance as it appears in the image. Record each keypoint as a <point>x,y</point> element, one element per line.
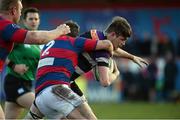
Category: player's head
<point>11,8</point>
<point>118,31</point>
<point>74,27</point>
<point>31,18</point>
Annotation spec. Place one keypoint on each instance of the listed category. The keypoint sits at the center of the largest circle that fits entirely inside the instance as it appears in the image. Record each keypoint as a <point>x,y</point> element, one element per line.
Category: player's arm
<point>18,68</point>
<point>87,45</point>
<point>104,44</point>
<point>138,60</point>
<point>42,37</point>
<point>108,74</point>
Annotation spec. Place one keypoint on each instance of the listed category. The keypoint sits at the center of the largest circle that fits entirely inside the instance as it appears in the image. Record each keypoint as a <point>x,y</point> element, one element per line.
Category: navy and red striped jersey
<point>58,60</point>
<point>9,33</point>
<point>89,60</point>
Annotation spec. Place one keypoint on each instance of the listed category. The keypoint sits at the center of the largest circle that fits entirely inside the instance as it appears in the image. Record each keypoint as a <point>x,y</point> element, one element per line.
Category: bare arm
<point>108,74</point>
<point>42,37</point>
<point>121,53</point>
<point>138,60</point>
<point>18,68</point>
<point>104,44</point>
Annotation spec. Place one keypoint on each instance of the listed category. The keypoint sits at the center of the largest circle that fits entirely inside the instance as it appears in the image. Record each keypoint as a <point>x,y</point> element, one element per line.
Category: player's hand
<point>63,29</point>
<point>141,62</point>
<point>20,68</point>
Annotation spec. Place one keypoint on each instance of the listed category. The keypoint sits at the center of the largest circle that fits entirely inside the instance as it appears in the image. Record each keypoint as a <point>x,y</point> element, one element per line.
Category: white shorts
<point>57,101</point>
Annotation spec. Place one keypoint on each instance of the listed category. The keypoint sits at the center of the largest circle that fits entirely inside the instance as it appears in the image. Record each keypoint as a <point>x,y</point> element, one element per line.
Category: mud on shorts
<point>57,101</point>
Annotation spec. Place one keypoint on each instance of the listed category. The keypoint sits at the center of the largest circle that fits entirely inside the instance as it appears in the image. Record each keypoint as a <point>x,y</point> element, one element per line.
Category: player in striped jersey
<point>54,98</point>
<point>10,32</point>
<point>18,83</point>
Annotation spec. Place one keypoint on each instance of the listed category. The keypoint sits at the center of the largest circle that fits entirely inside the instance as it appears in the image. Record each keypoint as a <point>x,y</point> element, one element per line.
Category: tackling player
<point>54,98</point>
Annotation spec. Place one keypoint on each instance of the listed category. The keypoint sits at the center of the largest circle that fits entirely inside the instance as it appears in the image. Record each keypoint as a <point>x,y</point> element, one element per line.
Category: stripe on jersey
<point>59,62</point>
<point>3,54</point>
<point>94,34</point>
<point>90,45</point>
<point>19,36</point>
<point>45,62</point>
<point>79,43</point>
<point>8,32</point>
<point>6,45</point>
<point>63,44</point>
<point>63,54</point>
<point>48,83</point>
<point>59,65</point>
<point>102,59</point>
<point>1,64</point>
<point>87,43</point>
<point>52,76</point>
<point>48,69</point>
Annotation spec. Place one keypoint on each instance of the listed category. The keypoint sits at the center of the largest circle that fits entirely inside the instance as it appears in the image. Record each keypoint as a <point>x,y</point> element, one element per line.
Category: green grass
<point>136,111</point>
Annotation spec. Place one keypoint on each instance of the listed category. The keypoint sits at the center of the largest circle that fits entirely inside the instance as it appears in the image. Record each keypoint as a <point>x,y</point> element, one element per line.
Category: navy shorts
<point>15,87</point>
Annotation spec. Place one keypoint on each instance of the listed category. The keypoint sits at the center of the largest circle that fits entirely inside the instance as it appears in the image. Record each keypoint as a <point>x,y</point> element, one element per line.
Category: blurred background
<point>152,92</point>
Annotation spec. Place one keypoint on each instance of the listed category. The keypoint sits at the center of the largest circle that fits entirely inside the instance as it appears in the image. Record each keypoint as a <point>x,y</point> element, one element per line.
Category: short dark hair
<point>120,26</point>
<point>74,27</point>
<point>5,5</point>
<point>29,10</point>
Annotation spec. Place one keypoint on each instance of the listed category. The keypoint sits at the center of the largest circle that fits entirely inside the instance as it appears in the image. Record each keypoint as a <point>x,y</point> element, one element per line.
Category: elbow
<point>37,39</point>
<point>108,45</point>
<point>32,37</point>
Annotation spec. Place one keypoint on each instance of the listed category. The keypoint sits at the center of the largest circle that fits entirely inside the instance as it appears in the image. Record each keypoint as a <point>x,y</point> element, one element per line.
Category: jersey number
<point>49,45</point>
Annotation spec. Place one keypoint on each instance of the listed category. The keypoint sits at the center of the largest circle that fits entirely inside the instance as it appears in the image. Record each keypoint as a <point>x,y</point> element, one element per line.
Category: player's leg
<point>26,100</point>
<point>34,113</point>
<point>84,109</point>
<point>16,92</point>
<point>1,113</point>
<point>12,110</point>
<point>75,114</point>
<point>1,110</point>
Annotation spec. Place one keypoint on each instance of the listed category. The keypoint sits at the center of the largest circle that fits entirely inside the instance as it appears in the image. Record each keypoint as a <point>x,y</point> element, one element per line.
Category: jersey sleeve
<point>102,57</point>
<point>14,33</point>
<point>84,44</point>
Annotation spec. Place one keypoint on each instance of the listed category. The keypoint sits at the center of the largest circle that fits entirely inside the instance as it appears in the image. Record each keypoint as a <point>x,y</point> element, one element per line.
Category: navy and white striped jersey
<point>88,60</point>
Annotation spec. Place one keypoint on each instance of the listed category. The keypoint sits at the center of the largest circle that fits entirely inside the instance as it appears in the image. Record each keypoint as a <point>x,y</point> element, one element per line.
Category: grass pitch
<point>136,110</point>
